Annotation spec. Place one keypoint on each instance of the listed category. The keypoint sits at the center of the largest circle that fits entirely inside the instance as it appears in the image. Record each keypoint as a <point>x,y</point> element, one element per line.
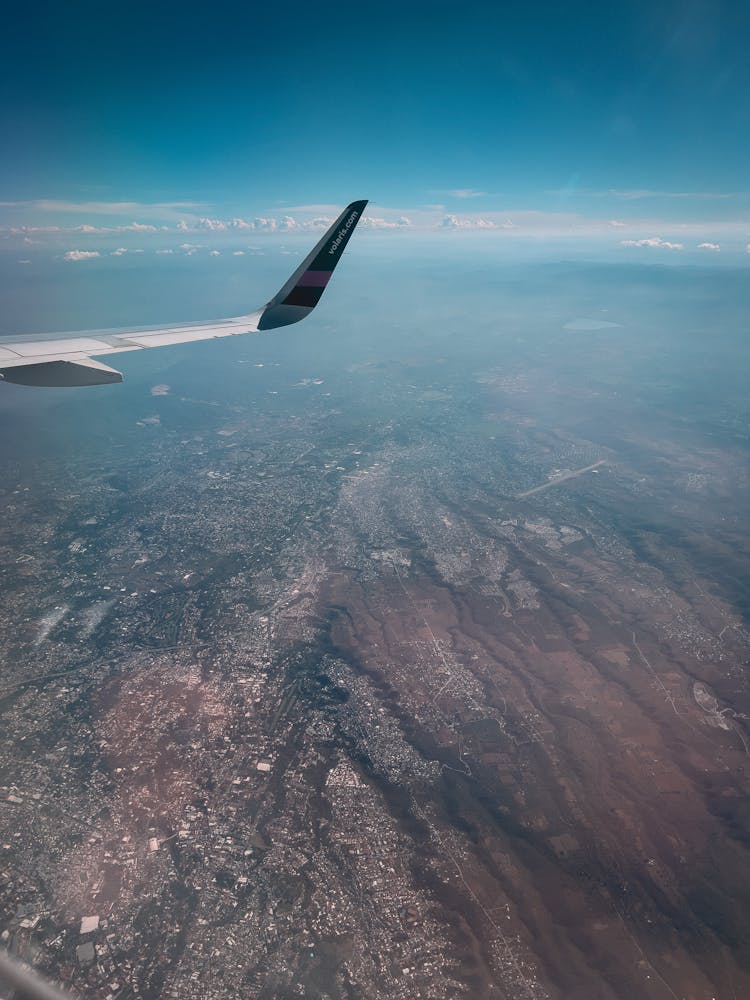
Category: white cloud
<point>213,225</point>
<point>269,224</point>
<point>216,232</point>
<point>24,261</point>
<point>638,194</point>
<point>165,251</point>
<point>80,254</point>
<point>118,252</point>
<point>653,241</point>
<point>464,222</point>
<point>463,193</point>
<point>88,230</point>
<point>286,224</point>
<point>214,253</point>
<point>25,230</point>
<point>161,208</point>
<point>709,246</point>
<point>373,222</point>
<point>238,253</point>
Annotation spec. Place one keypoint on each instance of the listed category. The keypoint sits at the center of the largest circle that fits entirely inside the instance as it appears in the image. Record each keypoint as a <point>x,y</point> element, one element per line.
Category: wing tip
<point>302,292</point>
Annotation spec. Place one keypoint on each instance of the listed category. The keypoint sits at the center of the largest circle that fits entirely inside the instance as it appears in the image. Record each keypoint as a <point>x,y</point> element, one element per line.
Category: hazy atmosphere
<point>401,652</point>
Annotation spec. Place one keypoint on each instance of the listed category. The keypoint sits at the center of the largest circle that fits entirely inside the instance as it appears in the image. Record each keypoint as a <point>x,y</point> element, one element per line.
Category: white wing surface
<point>68,359</point>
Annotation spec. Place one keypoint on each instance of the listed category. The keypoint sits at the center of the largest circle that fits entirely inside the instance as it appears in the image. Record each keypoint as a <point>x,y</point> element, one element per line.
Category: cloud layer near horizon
<point>175,219</point>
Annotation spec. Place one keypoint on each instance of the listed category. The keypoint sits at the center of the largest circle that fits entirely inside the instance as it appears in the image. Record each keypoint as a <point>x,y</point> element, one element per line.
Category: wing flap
<point>47,348</point>
<point>189,335</point>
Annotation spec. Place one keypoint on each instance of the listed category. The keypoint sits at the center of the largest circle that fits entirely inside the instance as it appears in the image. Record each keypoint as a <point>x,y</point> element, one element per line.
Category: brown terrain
<point>587,708</point>
<point>456,708</point>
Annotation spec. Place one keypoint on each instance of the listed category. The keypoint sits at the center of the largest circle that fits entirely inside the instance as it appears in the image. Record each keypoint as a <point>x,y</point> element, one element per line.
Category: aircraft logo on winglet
<point>342,232</point>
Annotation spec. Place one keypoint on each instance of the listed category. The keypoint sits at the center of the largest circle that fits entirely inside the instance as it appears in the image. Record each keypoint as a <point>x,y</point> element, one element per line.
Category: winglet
<point>302,292</point>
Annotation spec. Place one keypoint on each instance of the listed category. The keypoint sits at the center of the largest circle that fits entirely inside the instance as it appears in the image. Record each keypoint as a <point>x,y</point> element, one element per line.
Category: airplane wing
<point>67,359</point>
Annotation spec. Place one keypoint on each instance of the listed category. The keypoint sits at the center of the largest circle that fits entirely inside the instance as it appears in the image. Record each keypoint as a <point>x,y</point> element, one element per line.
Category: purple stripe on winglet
<point>317,279</point>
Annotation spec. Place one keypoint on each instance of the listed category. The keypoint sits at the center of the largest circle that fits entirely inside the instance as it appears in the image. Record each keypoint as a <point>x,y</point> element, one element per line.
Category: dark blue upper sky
<point>625,109</point>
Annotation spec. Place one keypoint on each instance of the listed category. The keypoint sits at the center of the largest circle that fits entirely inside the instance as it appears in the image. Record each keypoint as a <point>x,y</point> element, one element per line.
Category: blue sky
<point>539,117</point>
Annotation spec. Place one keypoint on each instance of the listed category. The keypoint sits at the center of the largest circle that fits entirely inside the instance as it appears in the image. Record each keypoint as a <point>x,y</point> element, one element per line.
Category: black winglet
<point>302,292</point>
